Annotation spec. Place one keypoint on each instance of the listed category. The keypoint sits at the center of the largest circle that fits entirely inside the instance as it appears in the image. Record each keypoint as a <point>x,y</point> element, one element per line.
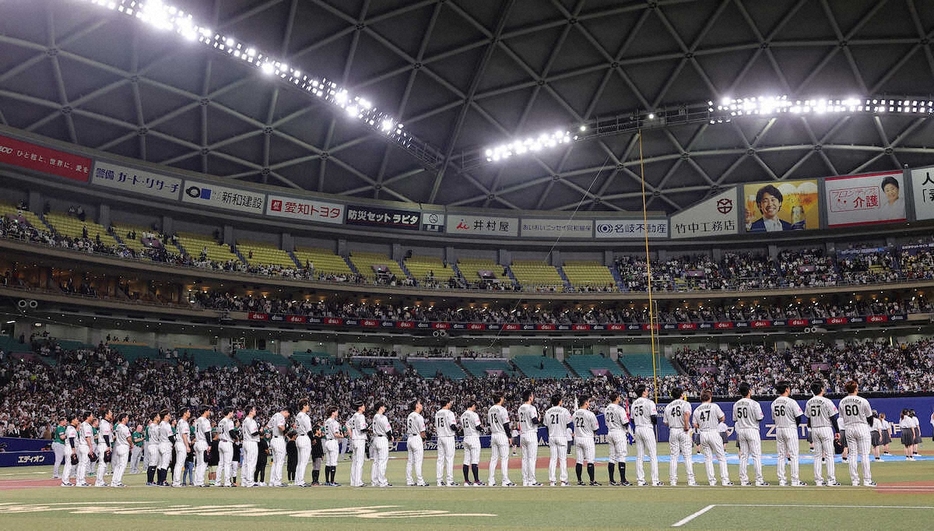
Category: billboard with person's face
<point>781,206</point>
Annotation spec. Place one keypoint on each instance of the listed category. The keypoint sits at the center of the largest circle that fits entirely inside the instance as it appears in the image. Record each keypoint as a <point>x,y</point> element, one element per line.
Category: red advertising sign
<point>47,160</point>
<point>612,327</point>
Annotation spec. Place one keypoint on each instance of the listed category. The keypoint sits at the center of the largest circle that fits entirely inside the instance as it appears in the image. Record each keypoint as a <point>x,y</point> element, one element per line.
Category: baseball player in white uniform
<point>166,438</point>
<point>85,446</point>
<point>528,438</point>
<point>857,416</point>
<point>123,440</point>
<point>415,442</point>
<point>558,418</point>
<point>617,424</point>
<point>203,439</point>
<point>249,450</point>
<point>822,420</point>
<point>332,434</point>
<point>470,426</point>
<point>105,432</point>
<point>182,445</point>
<point>677,416</point>
<point>358,434</point>
<point>382,433</point>
<point>707,417</point>
<point>302,441</point>
<point>585,424</point>
<point>71,448</point>
<point>787,415</point>
<point>499,440</point>
<point>152,448</point>
<point>747,414</point>
<point>225,437</point>
<point>445,424</point>
<point>278,425</point>
<point>644,415</point>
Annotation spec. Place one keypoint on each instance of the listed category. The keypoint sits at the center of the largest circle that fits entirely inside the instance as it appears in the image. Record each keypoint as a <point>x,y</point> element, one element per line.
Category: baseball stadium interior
<point>224,205</point>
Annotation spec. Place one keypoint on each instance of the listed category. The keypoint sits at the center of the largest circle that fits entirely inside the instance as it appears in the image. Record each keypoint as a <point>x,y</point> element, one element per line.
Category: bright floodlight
<point>341,97</point>
<point>533,144</point>
<point>158,14</point>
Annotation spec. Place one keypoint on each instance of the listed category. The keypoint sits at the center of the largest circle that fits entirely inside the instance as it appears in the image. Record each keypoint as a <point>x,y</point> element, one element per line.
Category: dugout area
<point>904,499</point>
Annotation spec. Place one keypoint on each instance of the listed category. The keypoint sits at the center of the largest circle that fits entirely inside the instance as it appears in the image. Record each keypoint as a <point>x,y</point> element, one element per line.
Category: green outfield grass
<point>903,500</point>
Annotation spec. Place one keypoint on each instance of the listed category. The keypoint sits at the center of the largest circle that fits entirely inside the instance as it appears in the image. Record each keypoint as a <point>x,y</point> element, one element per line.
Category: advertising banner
<point>781,206</point>
<point>135,181</point>
<point>47,160</point>
<point>304,209</point>
<point>388,218</point>
<point>713,217</point>
<point>635,328</point>
<point>865,199</point>
<point>555,228</point>
<point>432,222</point>
<point>26,458</point>
<point>922,189</point>
<point>205,194</point>
<point>482,225</point>
<point>630,229</point>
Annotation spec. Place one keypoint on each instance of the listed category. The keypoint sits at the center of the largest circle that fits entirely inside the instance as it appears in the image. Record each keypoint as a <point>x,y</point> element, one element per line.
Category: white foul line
<point>683,521</point>
<point>687,519</point>
<point>825,506</point>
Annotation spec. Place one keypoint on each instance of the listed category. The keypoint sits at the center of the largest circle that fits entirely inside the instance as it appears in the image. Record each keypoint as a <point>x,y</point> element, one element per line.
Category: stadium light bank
<point>162,16</point>
<point>724,111</point>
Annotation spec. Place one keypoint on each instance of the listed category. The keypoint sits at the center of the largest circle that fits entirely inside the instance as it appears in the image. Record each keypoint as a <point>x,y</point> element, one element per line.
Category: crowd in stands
<point>33,393</point>
<point>669,312</point>
<point>734,271</point>
<point>879,368</point>
<point>370,352</point>
<point>869,268</point>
